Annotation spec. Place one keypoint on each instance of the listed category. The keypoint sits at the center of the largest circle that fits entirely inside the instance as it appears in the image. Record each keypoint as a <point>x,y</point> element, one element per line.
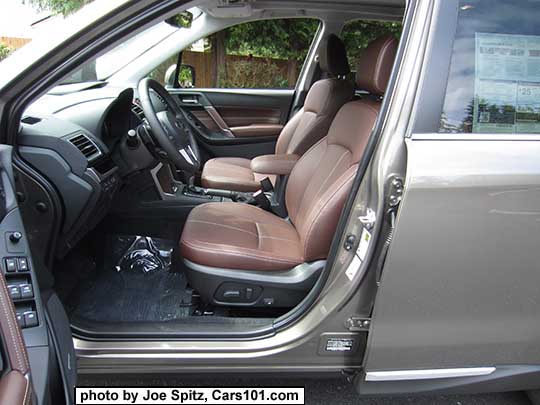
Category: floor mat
<point>136,283</point>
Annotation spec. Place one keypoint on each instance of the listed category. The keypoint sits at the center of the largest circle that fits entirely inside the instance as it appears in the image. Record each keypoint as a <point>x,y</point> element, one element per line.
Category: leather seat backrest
<point>321,180</point>
<point>324,99</point>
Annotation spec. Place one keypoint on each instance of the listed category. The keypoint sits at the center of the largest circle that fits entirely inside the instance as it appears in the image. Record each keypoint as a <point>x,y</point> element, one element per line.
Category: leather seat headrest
<point>333,56</point>
<point>375,65</point>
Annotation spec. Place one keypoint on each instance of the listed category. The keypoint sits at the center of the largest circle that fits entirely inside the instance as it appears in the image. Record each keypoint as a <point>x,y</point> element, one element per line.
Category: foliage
<point>185,77</point>
<point>4,51</point>
<point>182,20</point>
<point>290,39</point>
<point>247,74</point>
<point>64,7</point>
<point>279,39</point>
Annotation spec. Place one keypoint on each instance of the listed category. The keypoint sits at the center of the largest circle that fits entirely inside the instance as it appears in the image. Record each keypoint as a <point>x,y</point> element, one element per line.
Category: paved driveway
<point>327,391</point>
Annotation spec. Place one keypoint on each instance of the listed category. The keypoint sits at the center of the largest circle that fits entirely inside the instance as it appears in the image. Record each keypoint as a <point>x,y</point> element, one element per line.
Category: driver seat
<point>238,254</point>
<point>308,126</point>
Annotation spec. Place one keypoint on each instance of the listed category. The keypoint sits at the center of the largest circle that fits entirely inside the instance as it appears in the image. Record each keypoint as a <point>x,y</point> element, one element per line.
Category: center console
<point>173,190</point>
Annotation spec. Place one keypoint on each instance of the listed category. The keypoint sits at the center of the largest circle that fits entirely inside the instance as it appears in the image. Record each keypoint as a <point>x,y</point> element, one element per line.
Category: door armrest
<point>257,130</point>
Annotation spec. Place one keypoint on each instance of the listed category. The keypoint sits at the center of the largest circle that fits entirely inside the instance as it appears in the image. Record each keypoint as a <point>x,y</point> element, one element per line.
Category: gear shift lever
<point>192,188</point>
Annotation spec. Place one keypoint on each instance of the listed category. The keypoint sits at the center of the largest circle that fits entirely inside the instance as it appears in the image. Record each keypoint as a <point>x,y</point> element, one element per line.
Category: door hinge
<point>356,324</point>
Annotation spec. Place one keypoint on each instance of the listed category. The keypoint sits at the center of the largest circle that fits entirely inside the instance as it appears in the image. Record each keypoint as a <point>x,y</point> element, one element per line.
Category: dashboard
<point>74,139</point>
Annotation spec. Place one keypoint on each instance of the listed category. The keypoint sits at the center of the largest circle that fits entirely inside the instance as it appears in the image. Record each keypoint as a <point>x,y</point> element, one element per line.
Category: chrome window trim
<point>403,375</point>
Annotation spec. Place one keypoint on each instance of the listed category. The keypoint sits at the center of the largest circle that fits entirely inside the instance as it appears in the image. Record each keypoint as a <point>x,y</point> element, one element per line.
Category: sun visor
<point>231,9</point>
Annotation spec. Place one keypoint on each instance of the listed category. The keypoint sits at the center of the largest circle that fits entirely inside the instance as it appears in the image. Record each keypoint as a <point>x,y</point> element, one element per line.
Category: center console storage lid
<point>274,164</point>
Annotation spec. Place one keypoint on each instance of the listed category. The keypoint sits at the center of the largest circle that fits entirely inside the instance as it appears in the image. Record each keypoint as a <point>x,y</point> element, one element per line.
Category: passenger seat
<point>306,128</point>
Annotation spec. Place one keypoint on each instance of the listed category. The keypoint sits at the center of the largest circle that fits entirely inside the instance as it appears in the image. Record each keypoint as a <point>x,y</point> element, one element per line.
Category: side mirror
<point>169,76</point>
<point>186,76</point>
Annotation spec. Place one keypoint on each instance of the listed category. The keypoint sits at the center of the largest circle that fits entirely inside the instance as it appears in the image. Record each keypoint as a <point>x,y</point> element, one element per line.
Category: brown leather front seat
<point>308,126</point>
<point>242,238</point>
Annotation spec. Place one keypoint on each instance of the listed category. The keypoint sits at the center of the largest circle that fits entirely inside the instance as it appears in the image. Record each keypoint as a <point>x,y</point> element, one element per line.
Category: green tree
<point>4,51</point>
<point>63,7</point>
<point>288,39</point>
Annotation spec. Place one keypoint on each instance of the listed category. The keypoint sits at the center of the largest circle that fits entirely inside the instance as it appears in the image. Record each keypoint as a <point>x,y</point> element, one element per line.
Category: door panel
<point>26,308</point>
<point>237,122</point>
<point>460,285</point>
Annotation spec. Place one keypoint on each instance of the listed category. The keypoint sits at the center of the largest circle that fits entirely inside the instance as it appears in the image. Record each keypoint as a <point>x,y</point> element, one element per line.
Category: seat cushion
<point>231,174</point>
<point>239,236</point>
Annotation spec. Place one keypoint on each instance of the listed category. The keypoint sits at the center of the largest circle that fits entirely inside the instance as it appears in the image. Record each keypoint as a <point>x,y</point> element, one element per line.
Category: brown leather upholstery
<point>274,164</point>
<point>322,179</point>
<point>308,126</point>
<point>239,236</point>
<point>217,173</point>
<point>311,123</point>
<point>375,65</point>
<point>14,387</point>
<point>257,130</point>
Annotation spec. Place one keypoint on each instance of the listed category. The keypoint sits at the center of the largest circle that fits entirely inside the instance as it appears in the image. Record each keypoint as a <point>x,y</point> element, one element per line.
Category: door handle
<point>190,100</point>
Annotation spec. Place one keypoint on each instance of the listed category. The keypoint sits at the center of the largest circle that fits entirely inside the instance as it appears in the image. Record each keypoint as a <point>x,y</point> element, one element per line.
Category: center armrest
<point>274,164</point>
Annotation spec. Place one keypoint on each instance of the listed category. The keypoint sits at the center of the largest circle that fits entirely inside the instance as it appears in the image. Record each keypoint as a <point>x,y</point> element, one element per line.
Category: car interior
<point>177,211</point>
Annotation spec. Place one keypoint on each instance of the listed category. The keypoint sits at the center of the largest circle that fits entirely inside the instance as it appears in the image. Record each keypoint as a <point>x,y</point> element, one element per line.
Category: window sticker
<point>353,268</point>
<point>507,84</point>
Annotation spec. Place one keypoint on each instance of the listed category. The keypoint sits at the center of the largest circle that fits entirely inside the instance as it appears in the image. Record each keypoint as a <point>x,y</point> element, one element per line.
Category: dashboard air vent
<point>137,110</point>
<point>87,147</point>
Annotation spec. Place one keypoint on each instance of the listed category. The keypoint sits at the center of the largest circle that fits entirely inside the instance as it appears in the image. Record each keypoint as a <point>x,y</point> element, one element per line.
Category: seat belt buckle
<point>261,200</point>
<point>266,185</point>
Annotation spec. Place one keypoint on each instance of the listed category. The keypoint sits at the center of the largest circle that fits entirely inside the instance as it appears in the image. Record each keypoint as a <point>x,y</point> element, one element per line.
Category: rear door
<point>239,83</point>
<point>458,298</point>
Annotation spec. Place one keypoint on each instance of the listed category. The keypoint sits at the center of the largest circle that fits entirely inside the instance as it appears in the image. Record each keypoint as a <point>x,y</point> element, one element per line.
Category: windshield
<point>111,62</point>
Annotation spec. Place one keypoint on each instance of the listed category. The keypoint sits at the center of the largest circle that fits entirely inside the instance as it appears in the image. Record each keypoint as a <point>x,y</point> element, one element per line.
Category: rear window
<point>494,82</point>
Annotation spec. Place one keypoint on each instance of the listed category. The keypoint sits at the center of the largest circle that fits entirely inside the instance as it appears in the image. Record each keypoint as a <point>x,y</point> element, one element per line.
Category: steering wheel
<point>169,127</point>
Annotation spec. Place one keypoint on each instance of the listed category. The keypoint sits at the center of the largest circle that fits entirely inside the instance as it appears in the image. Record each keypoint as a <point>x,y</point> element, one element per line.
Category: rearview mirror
<point>182,20</point>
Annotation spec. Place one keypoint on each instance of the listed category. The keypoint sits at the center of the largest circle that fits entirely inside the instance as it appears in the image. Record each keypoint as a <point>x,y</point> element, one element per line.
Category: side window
<point>358,34</point>
<point>494,81</point>
<point>266,54</point>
